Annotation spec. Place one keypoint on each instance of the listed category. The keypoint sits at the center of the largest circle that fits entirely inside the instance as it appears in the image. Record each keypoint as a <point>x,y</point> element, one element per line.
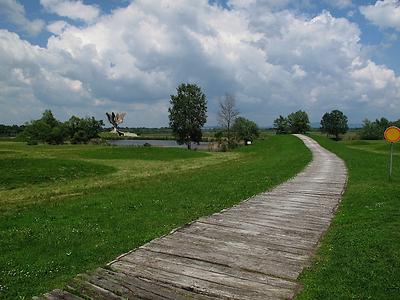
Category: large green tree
<point>188,114</point>
<point>245,129</point>
<point>334,123</point>
<point>298,122</point>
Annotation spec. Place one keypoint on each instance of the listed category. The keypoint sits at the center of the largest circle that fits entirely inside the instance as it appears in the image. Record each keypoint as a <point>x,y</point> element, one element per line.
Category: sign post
<point>392,135</point>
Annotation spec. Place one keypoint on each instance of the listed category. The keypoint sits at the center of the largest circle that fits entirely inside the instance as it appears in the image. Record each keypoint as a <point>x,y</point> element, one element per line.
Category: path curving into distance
<point>254,250</point>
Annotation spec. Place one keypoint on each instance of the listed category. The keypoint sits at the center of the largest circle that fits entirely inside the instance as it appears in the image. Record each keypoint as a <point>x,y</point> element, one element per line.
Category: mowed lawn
<point>68,209</point>
<point>359,256</point>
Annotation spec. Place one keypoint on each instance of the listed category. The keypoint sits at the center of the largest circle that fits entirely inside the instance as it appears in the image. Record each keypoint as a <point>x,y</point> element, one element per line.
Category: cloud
<point>57,27</point>
<point>73,9</point>
<point>384,13</point>
<point>275,62</point>
<point>14,13</point>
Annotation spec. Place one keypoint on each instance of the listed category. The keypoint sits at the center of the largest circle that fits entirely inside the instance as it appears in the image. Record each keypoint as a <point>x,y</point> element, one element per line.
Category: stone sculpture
<point>115,120</point>
<point>118,118</point>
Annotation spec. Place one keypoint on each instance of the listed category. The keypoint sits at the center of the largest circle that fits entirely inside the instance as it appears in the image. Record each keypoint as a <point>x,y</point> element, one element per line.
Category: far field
<point>68,209</point>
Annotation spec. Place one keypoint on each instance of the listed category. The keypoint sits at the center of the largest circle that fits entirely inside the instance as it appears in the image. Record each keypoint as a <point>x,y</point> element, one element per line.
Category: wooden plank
<point>82,287</point>
<point>236,247</point>
<point>59,294</point>
<point>135,287</point>
<point>144,254</point>
<point>188,279</point>
<point>271,266</point>
<point>308,235</point>
<point>269,239</point>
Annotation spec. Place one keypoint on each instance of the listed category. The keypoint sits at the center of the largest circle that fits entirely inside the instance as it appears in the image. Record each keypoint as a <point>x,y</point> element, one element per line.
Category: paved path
<point>255,250</point>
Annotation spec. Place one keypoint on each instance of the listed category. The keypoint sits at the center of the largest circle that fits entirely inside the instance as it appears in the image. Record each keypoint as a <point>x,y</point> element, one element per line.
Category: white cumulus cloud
<point>73,9</point>
<point>14,12</point>
<point>384,13</point>
<point>57,27</point>
<point>274,60</point>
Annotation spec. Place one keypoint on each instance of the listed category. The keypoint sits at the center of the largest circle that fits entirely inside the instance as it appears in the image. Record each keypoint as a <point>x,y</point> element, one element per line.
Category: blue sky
<point>86,57</point>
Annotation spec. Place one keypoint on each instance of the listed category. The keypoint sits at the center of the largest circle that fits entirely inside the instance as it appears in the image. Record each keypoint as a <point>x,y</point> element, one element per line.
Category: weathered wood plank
<point>271,266</point>
<point>212,267</point>
<point>186,278</point>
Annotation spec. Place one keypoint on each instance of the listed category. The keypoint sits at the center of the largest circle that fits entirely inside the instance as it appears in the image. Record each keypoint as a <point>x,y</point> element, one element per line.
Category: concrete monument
<point>118,118</point>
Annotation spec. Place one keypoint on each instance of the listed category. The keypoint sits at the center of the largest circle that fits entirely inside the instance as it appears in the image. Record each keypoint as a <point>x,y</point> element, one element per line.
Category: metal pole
<point>391,161</point>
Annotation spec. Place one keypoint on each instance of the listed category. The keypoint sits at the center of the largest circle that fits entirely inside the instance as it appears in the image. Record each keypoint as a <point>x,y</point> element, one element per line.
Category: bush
<point>374,130</point>
<point>80,137</point>
<point>82,130</point>
<point>245,129</point>
<point>46,130</point>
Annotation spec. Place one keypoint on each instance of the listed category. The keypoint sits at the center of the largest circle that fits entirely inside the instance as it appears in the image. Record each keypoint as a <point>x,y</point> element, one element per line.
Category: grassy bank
<point>359,257</point>
<point>81,223</point>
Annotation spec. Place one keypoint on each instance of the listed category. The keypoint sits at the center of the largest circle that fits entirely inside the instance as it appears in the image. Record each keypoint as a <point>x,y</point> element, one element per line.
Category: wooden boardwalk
<point>255,250</point>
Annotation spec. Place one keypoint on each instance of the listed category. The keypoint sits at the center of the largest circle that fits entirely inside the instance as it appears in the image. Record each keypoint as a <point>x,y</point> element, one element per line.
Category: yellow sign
<point>392,134</point>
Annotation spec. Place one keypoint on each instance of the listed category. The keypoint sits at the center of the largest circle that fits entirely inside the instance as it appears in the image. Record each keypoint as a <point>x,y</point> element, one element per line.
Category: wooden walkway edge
<point>254,250</point>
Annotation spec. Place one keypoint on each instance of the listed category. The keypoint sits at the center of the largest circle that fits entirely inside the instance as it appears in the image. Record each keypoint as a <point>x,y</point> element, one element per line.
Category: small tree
<point>281,125</point>
<point>187,114</point>
<point>245,129</point>
<point>298,122</point>
<point>227,114</point>
<point>334,123</point>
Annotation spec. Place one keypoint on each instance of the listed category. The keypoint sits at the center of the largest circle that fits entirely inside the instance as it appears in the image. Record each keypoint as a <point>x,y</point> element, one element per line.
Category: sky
<point>84,58</point>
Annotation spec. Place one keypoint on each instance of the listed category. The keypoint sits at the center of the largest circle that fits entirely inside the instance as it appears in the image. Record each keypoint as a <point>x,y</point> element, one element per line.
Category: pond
<point>156,143</point>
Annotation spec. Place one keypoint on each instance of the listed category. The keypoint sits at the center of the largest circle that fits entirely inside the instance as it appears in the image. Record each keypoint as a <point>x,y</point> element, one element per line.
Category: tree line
<point>49,130</point>
<point>187,116</point>
<point>374,130</point>
<point>10,130</point>
<point>333,123</point>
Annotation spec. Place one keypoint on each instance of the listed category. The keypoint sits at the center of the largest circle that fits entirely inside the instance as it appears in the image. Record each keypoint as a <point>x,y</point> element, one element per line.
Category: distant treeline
<point>81,130</point>
<point>10,130</point>
<point>374,130</point>
<point>49,130</point>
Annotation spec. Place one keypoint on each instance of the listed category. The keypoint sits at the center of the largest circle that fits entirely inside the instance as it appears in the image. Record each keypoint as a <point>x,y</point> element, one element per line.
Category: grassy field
<point>96,202</point>
<point>359,257</point>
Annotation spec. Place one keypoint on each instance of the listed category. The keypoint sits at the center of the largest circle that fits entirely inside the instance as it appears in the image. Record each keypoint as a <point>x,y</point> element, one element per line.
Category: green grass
<point>381,147</point>
<point>115,171</point>
<point>359,257</point>
<point>17,172</point>
<point>141,153</point>
<point>45,243</point>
